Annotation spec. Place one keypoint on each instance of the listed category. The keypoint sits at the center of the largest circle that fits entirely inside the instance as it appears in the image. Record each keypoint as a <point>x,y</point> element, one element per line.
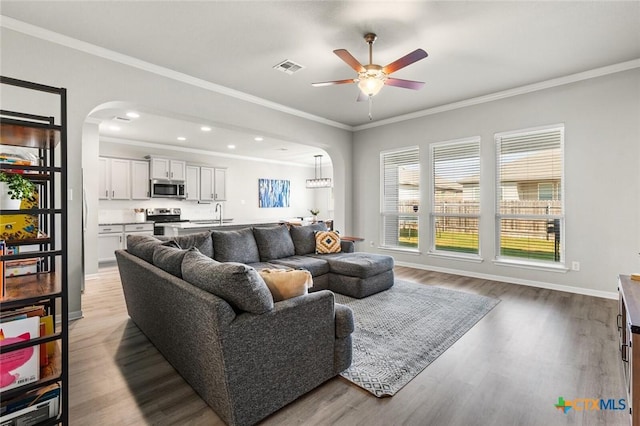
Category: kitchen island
<point>195,226</point>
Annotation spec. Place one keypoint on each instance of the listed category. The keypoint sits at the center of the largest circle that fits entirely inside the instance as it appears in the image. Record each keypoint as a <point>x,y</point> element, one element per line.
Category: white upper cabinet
<point>178,169</point>
<point>164,168</point>
<point>206,183</point>
<point>192,183</point>
<point>213,184</point>
<point>220,185</point>
<point>139,180</point>
<point>114,179</point>
<point>120,179</point>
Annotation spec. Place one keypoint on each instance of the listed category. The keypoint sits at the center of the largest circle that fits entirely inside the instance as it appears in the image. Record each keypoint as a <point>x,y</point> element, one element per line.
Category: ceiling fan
<point>372,77</point>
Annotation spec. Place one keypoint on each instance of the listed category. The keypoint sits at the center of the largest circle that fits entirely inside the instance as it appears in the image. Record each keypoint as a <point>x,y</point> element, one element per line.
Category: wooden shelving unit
<point>629,330</point>
<point>48,286</point>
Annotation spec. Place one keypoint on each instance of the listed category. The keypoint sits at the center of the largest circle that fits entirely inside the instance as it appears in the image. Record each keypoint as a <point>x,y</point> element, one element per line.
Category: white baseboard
<point>511,280</point>
<point>76,315</point>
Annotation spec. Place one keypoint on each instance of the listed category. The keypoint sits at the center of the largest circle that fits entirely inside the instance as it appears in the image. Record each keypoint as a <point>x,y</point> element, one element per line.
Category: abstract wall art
<point>274,193</point>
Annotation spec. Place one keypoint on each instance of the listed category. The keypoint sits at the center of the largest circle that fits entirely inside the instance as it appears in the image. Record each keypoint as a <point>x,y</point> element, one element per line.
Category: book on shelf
<point>47,350</point>
<point>25,311</point>
<point>21,366</point>
<point>32,407</point>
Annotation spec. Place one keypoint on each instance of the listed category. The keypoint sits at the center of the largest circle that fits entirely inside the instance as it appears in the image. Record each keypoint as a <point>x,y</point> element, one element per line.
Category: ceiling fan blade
<point>362,97</point>
<point>407,84</point>
<point>412,57</point>
<point>349,59</point>
<point>331,83</point>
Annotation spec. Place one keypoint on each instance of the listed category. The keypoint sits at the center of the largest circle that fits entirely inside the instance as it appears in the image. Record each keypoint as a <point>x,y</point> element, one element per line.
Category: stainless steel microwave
<point>167,189</point>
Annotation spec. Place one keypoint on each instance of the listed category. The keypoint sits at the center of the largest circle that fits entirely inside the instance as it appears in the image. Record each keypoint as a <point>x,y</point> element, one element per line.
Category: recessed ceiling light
<point>205,128</point>
<point>115,128</point>
<point>182,138</point>
<point>133,114</point>
<point>231,146</point>
<point>258,139</point>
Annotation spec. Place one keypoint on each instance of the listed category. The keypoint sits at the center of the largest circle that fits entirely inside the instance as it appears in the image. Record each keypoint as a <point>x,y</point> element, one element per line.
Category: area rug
<point>400,331</point>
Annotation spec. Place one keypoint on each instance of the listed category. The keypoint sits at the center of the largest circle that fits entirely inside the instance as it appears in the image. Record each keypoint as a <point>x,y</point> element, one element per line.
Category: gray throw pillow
<point>169,258</point>
<point>304,238</point>
<point>274,242</point>
<point>142,246</point>
<point>235,246</point>
<point>239,285</point>
<point>201,241</point>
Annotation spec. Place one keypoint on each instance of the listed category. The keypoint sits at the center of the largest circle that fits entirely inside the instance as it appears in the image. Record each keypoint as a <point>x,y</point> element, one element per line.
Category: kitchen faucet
<point>216,211</point>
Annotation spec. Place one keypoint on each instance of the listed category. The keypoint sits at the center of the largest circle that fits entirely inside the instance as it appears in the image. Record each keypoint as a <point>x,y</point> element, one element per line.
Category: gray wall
<point>602,153</point>
<point>92,81</point>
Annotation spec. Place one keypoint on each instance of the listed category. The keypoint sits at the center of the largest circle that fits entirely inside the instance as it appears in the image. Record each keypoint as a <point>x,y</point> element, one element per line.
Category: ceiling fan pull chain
<point>370,104</point>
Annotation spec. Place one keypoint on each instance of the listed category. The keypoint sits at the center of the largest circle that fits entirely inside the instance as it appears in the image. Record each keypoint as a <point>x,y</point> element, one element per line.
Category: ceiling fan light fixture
<point>370,82</point>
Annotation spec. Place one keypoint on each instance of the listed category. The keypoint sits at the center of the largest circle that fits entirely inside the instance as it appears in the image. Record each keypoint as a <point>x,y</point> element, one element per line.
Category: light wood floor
<point>509,369</point>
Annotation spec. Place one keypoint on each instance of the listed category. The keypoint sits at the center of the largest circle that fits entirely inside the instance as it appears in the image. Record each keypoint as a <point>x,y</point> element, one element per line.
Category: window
<point>400,198</point>
<point>529,179</point>
<point>455,212</point>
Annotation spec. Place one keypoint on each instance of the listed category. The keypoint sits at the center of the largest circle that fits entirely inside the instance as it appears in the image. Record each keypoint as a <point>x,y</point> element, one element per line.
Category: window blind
<point>529,182</point>
<point>455,210</point>
<point>400,197</point>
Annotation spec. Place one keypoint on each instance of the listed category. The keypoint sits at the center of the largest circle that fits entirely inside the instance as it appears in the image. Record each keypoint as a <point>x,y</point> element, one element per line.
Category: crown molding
<point>92,49</point>
<point>547,84</point>
<point>51,36</point>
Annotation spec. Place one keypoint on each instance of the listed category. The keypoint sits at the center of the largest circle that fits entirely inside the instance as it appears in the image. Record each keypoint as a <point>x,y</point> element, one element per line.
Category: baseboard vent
<point>288,66</point>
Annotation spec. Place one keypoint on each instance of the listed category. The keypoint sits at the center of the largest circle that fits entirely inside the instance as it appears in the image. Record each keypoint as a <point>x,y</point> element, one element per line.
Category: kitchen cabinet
<point>220,185</point>
<point>165,168</point>
<point>110,239</point>
<point>192,183</point>
<point>206,183</point>
<point>137,229</point>
<point>140,180</point>
<point>114,237</point>
<point>114,179</point>
<point>213,182</point>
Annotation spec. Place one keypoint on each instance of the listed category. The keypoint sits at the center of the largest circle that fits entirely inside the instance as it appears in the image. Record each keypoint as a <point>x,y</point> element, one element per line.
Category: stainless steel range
<point>163,215</point>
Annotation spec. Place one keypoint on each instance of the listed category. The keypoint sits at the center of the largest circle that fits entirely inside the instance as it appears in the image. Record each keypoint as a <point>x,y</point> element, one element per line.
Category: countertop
<point>202,224</point>
<point>131,222</point>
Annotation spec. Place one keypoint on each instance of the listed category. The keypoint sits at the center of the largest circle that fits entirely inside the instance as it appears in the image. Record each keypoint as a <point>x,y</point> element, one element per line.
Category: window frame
<point>433,215</point>
<point>384,214</point>
<point>560,265</point>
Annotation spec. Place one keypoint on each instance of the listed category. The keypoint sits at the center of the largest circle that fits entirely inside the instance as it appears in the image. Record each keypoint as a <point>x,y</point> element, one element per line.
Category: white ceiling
<point>475,48</point>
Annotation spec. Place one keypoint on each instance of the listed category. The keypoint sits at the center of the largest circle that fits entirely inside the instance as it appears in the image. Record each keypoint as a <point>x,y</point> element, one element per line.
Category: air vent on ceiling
<point>288,66</point>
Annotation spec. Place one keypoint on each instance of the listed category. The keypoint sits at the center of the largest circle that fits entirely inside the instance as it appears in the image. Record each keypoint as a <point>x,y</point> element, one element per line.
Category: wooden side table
<point>352,239</point>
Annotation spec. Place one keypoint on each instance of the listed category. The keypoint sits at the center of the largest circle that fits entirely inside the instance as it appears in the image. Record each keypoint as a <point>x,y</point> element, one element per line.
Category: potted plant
<point>314,212</point>
<point>13,189</point>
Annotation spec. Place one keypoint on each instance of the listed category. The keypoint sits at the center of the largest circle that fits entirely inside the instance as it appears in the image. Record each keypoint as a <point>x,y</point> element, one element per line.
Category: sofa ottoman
<point>360,274</point>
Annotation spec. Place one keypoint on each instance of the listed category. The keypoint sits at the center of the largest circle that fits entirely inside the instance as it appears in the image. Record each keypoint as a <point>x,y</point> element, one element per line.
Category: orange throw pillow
<point>327,242</point>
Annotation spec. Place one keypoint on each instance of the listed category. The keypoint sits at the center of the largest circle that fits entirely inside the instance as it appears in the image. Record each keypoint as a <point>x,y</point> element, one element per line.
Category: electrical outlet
<point>372,243</point>
<point>575,266</point>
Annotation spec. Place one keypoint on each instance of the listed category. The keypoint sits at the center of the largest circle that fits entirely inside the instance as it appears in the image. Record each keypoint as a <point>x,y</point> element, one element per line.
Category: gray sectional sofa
<point>200,300</point>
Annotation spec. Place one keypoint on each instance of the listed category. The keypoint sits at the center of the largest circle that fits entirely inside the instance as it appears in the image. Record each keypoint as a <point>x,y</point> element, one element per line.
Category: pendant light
<point>318,182</point>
